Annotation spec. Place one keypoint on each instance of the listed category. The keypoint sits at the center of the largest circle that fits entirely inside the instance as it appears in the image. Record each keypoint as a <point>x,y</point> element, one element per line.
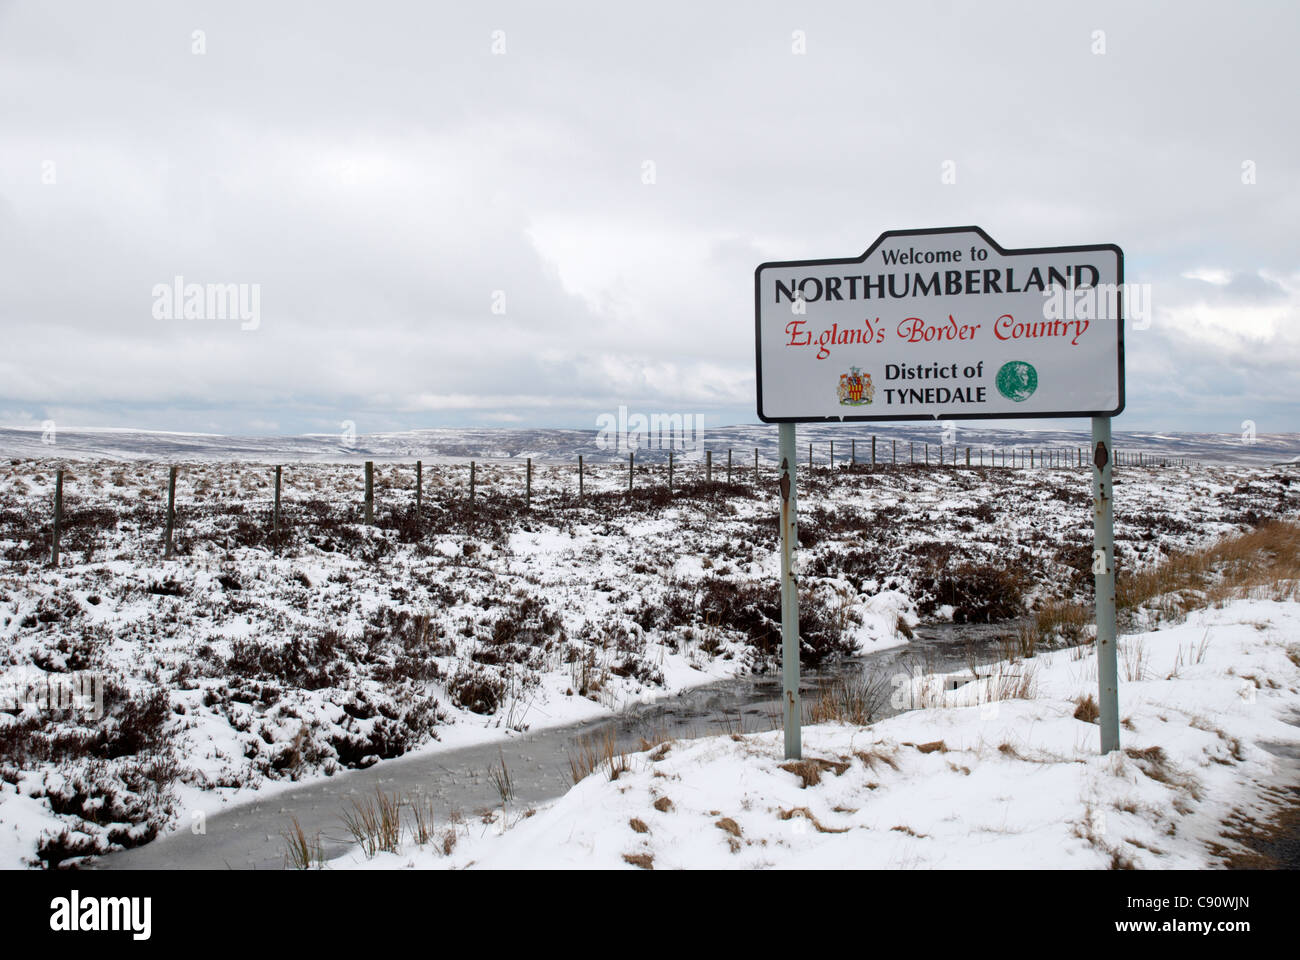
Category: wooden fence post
<point>580,478</point>
<point>419,487</point>
<point>528,485</point>
<point>873,451</point>
<point>853,453</point>
<point>370,492</point>
<point>630,468</point>
<point>58,515</point>
<point>171,512</point>
<point>275,515</point>
<point>832,460</point>
<point>670,470</point>
<point>728,465</point>
<point>708,466</point>
<point>471,481</point>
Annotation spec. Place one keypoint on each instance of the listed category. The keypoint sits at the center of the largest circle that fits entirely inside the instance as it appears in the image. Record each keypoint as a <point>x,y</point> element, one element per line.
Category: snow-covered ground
<point>239,668</point>
<point>978,782</point>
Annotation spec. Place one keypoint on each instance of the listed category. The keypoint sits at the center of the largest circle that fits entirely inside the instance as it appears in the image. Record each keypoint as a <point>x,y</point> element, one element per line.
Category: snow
<point>622,587</point>
<point>991,784</point>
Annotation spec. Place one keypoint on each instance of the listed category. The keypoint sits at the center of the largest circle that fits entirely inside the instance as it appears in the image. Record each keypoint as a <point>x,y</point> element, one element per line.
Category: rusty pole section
<point>791,707</point>
<point>1103,569</point>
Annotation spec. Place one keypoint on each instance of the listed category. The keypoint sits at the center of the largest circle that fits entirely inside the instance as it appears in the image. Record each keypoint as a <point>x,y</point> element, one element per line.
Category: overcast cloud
<point>387,179</point>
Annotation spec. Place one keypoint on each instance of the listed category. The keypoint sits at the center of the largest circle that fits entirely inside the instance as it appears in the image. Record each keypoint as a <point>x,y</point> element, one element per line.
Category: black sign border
<point>889,234</point>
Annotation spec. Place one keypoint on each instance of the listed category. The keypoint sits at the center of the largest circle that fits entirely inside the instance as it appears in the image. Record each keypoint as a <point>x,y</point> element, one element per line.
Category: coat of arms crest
<point>855,388</point>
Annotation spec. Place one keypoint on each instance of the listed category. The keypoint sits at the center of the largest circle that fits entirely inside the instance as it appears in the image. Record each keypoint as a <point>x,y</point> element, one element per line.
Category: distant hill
<point>554,445</point>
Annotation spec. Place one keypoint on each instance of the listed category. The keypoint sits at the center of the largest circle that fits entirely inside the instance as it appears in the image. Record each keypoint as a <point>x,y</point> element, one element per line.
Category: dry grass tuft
<point>727,825</point>
<point>874,756</point>
<point>663,804</point>
<point>300,853</point>
<point>638,825</point>
<point>1135,659</point>
<point>1086,709</point>
<point>811,770</point>
<point>855,702</point>
<point>501,779</point>
<point>645,861</point>
<point>1264,561</point>
<point>1154,762</point>
<point>932,746</point>
<point>422,830</point>
<point>909,831</point>
<point>807,814</point>
<point>596,753</point>
<point>658,738</point>
<point>376,825</point>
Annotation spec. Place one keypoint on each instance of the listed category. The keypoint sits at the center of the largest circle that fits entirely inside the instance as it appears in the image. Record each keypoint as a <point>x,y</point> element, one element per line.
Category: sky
<point>532,214</point>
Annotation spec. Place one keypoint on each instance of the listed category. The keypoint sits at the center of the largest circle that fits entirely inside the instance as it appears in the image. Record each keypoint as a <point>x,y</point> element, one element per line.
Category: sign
<point>941,324</point>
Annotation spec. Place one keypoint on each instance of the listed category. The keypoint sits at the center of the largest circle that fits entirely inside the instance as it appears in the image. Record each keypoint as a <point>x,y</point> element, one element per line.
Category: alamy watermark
<point>179,300</point>
<point>1099,301</point>
<point>82,692</point>
<point>624,433</point>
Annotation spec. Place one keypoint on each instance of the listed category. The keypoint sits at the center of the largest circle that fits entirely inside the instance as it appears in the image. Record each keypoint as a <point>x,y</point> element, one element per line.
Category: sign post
<point>1103,570</point>
<point>944,324</point>
<point>790,704</point>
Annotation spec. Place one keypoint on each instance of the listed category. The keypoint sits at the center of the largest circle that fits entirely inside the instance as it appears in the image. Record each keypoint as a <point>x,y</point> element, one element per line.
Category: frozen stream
<point>249,835</point>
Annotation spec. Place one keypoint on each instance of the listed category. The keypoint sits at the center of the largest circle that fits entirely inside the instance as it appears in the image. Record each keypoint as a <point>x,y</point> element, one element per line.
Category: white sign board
<point>941,324</point>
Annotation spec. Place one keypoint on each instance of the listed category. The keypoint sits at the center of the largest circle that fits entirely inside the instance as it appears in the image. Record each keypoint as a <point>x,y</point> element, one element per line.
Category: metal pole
<point>789,597</point>
<point>171,511</point>
<point>1103,568</point>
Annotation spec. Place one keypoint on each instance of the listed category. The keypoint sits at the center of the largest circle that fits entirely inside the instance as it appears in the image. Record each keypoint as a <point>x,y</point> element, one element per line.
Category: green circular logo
<point>1017,380</point>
